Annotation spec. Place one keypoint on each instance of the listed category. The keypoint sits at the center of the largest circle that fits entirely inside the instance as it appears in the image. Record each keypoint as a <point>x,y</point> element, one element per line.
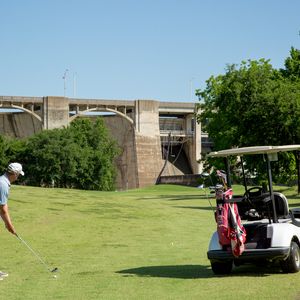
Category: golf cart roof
<point>253,150</point>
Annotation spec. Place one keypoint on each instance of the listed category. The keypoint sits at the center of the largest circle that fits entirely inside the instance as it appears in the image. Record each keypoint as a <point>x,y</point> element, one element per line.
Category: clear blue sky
<point>137,49</point>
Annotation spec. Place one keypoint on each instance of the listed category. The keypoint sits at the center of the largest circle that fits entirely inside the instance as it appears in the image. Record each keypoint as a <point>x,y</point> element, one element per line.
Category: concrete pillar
<point>197,167</point>
<point>56,112</point>
<point>147,142</point>
<point>147,117</point>
<point>194,145</point>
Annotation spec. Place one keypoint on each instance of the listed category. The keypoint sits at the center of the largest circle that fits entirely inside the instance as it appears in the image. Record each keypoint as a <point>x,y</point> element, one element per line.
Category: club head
<point>204,174</point>
<point>54,270</point>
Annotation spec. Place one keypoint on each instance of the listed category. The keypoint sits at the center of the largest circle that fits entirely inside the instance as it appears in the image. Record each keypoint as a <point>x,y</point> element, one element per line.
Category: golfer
<point>12,173</point>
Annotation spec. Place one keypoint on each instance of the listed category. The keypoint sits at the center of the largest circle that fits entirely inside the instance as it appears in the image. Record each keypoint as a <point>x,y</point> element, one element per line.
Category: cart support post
<point>227,166</point>
<point>244,175</point>
<point>275,220</point>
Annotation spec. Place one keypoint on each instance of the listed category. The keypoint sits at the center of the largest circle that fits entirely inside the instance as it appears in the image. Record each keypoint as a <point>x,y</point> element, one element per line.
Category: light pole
<point>191,88</point>
<point>64,78</point>
<point>74,84</point>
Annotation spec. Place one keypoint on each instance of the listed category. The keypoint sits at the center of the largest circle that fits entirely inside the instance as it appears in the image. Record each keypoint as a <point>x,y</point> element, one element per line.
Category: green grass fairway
<point>141,244</point>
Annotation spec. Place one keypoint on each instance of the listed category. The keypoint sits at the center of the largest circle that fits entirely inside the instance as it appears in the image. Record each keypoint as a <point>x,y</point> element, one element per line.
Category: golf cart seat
<point>281,205</point>
<point>260,206</point>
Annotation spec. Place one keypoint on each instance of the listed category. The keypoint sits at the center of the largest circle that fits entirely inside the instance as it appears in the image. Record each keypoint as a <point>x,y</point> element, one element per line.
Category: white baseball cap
<point>15,168</point>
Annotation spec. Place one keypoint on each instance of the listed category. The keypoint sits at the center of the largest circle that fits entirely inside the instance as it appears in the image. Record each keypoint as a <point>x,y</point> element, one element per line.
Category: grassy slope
<point>140,244</point>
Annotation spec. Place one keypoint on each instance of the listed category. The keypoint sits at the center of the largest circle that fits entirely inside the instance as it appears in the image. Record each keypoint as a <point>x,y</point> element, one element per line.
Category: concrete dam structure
<point>156,138</point>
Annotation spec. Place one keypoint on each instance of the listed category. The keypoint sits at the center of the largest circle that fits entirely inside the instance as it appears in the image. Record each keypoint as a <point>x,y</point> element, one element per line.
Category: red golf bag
<point>230,230</point>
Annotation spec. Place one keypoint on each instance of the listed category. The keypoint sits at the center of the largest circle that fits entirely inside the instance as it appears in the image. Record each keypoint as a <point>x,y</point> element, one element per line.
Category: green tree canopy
<point>253,104</point>
<point>79,156</point>
<point>292,65</point>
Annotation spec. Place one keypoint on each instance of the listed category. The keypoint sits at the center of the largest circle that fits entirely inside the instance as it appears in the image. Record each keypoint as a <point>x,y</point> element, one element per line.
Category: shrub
<point>79,156</point>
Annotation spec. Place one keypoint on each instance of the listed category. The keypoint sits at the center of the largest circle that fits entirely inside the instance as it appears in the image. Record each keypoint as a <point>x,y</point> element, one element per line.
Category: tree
<point>10,150</point>
<point>292,65</point>
<point>251,104</point>
<point>292,72</point>
<point>241,104</point>
<point>80,156</point>
<point>99,153</point>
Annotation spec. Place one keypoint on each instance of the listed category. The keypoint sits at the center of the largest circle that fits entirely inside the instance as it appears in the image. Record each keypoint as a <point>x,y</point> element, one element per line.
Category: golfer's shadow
<point>177,271</point>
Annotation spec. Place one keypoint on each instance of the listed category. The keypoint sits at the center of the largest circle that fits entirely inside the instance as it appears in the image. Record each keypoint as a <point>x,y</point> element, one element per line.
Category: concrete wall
<point>149,161</point>
<point>19,125</point>
<point>126,163</point>
<point>187,180</point>
<point>140,160</point>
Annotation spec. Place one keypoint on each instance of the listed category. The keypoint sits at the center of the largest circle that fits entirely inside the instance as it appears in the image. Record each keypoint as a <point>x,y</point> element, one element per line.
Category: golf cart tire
<point>292,263</point>
<point>222,268</point>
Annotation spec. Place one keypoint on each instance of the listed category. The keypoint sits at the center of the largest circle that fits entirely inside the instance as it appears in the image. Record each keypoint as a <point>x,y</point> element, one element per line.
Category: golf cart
<point>260,224</point>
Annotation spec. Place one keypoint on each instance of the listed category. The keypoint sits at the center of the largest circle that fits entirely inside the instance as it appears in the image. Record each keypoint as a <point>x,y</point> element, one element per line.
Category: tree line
<point>79,156</point>
<point>255,104</point>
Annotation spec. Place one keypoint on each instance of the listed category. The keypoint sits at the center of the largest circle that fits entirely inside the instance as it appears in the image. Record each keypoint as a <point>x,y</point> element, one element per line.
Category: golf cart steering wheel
<point>254,193</point>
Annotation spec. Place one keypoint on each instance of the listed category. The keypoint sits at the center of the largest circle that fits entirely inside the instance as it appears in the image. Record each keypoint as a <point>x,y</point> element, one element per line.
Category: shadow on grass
<point>196,271</point>
<point>19,201</point>
<point>195,207</point>
<point>184,271</point>
<point>177,197</point>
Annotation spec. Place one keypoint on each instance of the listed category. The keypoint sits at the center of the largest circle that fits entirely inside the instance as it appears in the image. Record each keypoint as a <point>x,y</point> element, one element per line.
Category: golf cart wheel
<point>292,263</point>
<point>221,268</point>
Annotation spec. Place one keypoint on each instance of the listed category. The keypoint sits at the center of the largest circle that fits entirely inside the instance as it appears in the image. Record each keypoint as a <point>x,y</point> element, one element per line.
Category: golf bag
<point>230,230</point>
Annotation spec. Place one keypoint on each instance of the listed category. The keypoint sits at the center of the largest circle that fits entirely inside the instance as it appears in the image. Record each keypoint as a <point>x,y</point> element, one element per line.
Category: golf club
<point>37,256</point>
<point>211,188</point>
